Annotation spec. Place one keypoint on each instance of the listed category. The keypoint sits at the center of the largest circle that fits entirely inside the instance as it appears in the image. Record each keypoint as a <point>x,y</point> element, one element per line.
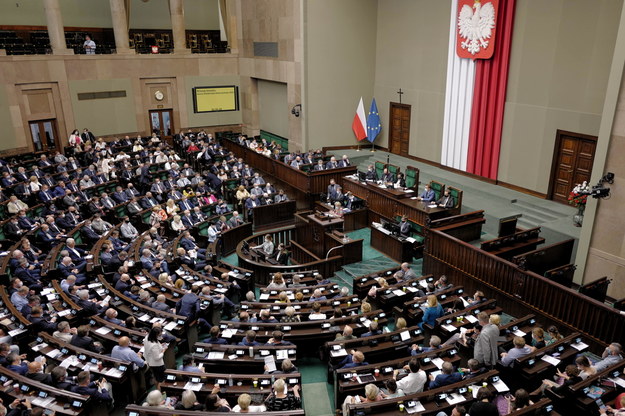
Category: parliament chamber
<point>193,220</point>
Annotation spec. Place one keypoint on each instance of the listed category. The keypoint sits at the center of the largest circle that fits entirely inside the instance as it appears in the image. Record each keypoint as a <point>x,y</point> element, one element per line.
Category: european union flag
<point>374,125</point>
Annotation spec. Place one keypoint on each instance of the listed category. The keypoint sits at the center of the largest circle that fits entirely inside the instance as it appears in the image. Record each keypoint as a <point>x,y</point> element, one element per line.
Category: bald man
<point>348,333</point>
<point>122,351</point>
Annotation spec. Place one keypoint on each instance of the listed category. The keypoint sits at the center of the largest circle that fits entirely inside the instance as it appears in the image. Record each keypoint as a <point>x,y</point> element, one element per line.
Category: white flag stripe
<point>458,101</point>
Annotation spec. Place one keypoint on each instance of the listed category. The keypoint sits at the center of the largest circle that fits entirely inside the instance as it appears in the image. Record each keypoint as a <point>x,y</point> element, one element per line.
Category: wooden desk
<point>352,220</point>
<point>138,410</point>
<point>313,183</point>
<point>273,215</point>
<point>398,250</point>
<point>380,205</point>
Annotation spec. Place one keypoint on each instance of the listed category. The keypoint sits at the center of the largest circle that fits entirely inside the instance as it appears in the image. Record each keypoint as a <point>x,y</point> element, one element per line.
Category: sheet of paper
<point>193,386</point>
<point>551,360</point>
<point>404,335</point>
<point>53,353</point>
<point>216,355</point>
<point>580,346</point>
<point>40,346</point>
<point>170,326</point>
<point>114,372</point>
<point>438,362</point>
<point>16,331</point>
<point>455,398</point>
<point>618,380</point>
<point>103,330</point>
<point>144,318</point>
<point>417,408</point>
<point>338,353</point>
<point>232,357</point>
<point>270,364</point>
<point>282,354</point>
<point>449,327</point>
<point>519,333</point>
<point>398,292</point>
<point>411,240</point>
<point>228,332</point>
<point>501,386</point>
<point>264,296</point>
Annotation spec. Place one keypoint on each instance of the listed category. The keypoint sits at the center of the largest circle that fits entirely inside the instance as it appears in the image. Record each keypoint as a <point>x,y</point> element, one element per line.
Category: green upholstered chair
<point>393,169</point>
<point>457,195</point>
<point>379,168</point>
<point>438,188</point>
<point>412,177</point>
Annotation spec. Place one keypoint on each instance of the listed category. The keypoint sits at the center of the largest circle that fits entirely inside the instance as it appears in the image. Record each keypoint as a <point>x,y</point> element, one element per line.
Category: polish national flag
<point>359,125</point>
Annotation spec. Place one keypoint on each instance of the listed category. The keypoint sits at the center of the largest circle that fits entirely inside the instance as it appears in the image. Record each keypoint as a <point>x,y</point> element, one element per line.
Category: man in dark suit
<point>388,177</point>
<point>189,304</point>
<point>188,243</point>
<point>449,376</point>
<point>119,195</point>
<point>149,201</point>
<point>446,201</point>
<point>88,232</point>
<point>98,390</point>
<point>24,222</point>
<point>89,307</point>
<point>13,230</point>
<point>405,227</point>
<point>40,323</point>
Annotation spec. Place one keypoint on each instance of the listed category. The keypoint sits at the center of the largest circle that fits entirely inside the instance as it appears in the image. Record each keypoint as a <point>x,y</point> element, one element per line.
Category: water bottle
<point>251,352</point>
<point>230,382</point>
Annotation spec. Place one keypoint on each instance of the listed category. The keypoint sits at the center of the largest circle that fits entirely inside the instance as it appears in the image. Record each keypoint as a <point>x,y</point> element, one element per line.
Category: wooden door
<point>573,156</point>
<point>400,129</point>
<point>162,122</point>
<point>44,135</point>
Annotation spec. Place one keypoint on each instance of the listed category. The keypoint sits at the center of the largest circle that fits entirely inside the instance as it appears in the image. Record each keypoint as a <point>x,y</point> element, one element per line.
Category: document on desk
<point>471,318</point>
<point>38,401</point>
<point>216,355</point>
<point>408,191</point>
<point>282,354</point>
<point>449,327</point>
<point>618,380</point>
<point>418,407</point>
<point>579,346</point>
<point>438,362</point>
<point>398,292</point>
<point>228,333</point>
<point>338,353</point>
<point>170,326</point>
<point>263,296</point>
<point>500,386</point>
<point>384,230</point>
<point>193,386</point>
<point>551,360</point>
<point>455,398</point>
<point>410,240</point>
<point>103,330</point>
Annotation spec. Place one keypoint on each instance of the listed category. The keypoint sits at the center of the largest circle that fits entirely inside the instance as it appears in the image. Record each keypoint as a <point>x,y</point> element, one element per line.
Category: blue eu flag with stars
<point>374,124</point>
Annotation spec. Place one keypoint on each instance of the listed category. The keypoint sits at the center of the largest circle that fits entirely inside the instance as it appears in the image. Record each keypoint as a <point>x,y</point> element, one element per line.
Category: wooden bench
<point>465,227</point>
<point>509,246</point>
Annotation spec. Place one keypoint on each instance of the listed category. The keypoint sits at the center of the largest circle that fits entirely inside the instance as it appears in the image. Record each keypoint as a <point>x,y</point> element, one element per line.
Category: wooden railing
<point>472,267</point>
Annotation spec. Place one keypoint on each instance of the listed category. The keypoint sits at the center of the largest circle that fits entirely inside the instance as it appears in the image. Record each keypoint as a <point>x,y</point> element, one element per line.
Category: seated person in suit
<point>355,359</point>
<point>519,350</point>
<point>427,195</point>
<point>282,255</point>
<point>388,178</point>
<point>84,341</point>
<point>446,201</point>
<point>214,337</point>
<point>97,390</point>
<point>250,340</point>
<point>35,372</point>
<point>15,364</point>
<point>434,344</point>
<point>400,182</point>
<point>277,339</point>
<point>371,174</point>
<point>319,166</point>
<point>373,330</point>
<point>449,376</point>
<point>188,364</point>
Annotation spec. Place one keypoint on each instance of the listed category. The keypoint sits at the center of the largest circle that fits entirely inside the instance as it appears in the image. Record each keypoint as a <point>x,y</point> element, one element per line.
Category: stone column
<point>176,10</point>
<point>56,31</point>
<point>120,27</point>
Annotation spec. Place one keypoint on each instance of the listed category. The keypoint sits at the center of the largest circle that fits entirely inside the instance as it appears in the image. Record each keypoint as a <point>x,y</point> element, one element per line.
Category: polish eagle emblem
<point>475,28</point>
